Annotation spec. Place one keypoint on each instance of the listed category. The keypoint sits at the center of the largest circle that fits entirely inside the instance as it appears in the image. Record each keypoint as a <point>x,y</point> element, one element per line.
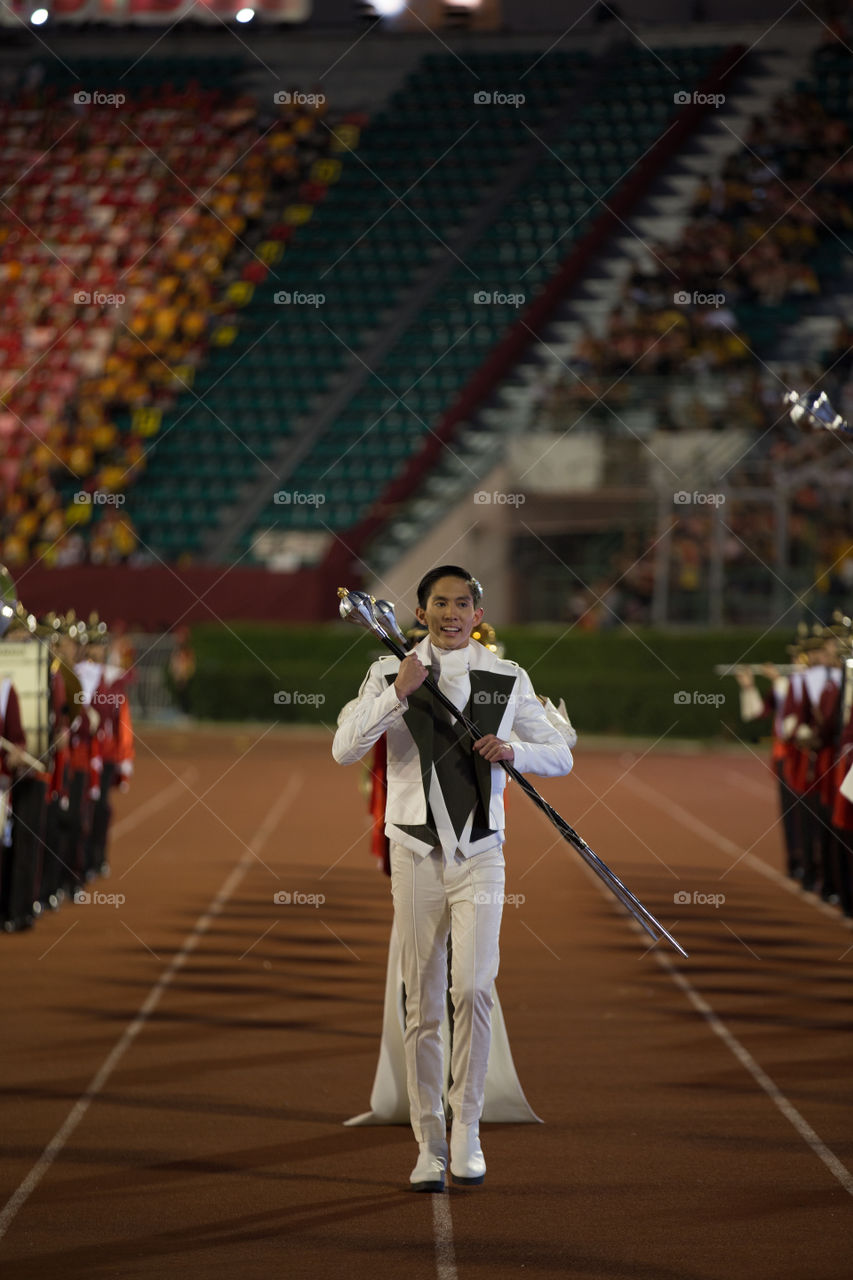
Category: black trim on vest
<point>490,693</point>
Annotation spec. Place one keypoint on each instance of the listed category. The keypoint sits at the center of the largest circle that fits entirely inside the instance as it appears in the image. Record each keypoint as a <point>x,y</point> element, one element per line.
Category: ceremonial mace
<point>817,411</point>
<point>377,616</point>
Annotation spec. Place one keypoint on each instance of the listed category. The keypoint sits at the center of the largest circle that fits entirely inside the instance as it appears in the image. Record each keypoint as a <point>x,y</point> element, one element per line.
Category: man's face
<point>449,616</point>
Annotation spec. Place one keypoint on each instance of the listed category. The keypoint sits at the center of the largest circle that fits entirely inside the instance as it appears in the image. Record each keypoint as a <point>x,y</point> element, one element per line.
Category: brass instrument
<point>8,600</point>
<point>759,668</point>
<point>25,660</point>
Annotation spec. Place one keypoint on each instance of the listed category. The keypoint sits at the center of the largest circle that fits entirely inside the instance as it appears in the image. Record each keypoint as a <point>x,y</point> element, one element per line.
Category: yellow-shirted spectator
<point>112,477</point>
<point>15,550</point>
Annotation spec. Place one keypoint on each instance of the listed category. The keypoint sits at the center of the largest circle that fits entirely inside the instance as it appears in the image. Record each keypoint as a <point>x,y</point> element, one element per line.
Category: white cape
<point>505,1102</point>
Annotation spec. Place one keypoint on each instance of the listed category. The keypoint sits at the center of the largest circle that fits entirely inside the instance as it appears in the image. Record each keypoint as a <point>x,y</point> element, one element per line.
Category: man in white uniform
<point>445,821</point>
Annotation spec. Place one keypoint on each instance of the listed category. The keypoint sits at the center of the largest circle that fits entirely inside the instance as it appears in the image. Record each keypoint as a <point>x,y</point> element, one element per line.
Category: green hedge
<point>618,682</point>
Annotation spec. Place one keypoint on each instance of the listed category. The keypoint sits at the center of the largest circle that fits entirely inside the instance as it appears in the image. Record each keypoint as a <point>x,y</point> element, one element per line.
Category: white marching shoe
<point>467,1162</point>
<point>428,1173</point>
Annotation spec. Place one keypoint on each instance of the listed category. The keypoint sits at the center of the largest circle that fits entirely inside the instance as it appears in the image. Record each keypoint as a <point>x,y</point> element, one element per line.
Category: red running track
<point>176,1066</point>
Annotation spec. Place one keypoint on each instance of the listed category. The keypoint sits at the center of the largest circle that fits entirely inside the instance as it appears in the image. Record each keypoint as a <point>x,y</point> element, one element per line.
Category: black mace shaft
<point>641,914</point>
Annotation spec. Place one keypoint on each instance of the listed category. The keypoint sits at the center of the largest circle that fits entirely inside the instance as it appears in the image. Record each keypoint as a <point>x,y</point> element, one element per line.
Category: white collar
<point>451,661</point>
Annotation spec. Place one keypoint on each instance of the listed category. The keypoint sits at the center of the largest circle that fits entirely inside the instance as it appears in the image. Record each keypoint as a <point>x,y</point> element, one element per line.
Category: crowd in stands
<point>679,340</point>
<point>117,231</point>
<point>819,555</point>
<point>121,228</point>
<point>746,246</point>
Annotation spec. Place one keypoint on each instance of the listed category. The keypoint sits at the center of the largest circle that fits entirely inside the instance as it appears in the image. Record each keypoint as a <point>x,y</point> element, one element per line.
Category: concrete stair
<point>482,443</point>
<point>662,220</point>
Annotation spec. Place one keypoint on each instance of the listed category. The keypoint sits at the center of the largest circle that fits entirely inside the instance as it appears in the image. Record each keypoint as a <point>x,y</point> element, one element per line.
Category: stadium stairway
<point>461,182</point>
<point>367,443</point>
<point>288,367</point>
<point>813,331</point>
<point>661,220</point>
<point>453,472</point>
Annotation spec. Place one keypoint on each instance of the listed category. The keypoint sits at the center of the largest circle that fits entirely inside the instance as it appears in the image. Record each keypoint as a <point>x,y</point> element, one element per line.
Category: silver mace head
<point>816,408</point>
<point>357,607</point>
<point>385,610</point>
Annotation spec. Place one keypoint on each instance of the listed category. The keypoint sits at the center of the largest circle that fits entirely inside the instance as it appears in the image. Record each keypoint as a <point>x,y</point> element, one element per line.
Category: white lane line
<point>758,789</point>
<point>81,1106</point>
<point>682,815</point>
<point>154,804</point>
<point>700,828</point>
<point>759,1075</point>
<point>442,1224</point>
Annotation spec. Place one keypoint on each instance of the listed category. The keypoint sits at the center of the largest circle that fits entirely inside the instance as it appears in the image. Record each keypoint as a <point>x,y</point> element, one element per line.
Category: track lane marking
<point>154,803</point>
<point>757,789</point>
<point>442,1226</point>
<point>700,828</point>
<point>19,1197</point>
<point>675,810</point>
<point>812,1139</point>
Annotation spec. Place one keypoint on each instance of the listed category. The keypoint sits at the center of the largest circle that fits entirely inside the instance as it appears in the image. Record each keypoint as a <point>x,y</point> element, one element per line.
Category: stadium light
<point>38,17</point>
<point>387,8</point>
<point>244,15</point>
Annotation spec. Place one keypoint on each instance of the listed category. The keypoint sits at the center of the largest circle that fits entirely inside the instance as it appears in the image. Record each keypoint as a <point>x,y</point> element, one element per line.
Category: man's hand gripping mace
<point>377,616</point>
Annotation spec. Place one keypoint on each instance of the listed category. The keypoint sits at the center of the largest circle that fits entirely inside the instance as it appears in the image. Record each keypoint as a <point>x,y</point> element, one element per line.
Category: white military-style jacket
<point>502,702</point>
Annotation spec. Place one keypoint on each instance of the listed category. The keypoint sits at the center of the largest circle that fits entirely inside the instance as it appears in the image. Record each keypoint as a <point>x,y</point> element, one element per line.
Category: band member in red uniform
<point>83,722</point>
<point>827,714</point>
<point>16,877</point>
<point>798,727</point>
<point>842,808</point>
<point>112,737</point>
<point>29,790</point>
<point>779,703</point>
<point>52,881</point>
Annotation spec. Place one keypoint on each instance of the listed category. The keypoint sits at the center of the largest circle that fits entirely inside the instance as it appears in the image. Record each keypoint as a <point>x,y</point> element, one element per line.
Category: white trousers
<point>434,898</point>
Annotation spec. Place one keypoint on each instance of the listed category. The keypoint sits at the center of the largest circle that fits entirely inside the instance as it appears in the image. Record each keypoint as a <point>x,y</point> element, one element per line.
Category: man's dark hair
<point>447,571</point>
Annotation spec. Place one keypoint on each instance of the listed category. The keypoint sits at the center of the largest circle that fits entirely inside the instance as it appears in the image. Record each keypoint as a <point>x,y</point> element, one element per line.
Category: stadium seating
<point>328,258</point>
<point>531,234</point>
<point>112,253</point>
